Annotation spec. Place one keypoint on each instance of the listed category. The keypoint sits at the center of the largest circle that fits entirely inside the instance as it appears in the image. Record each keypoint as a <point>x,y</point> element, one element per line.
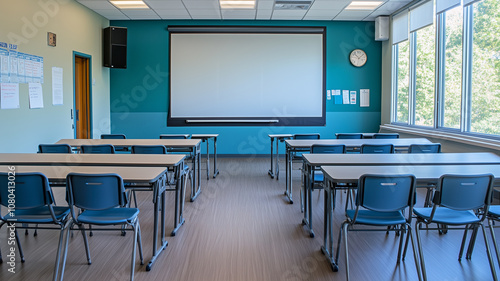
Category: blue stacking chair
<point>298,155</point>
<point>494,215</point>
<point>349,136</point>
<point>54,148</point>
<point>98,149</point>
<point>158,149</point>
<point>34,204</point>
<point>380,202</point>
<point>317,174</point>
<point>377,148</point>
<point>100,200</point>
<point>385,136</point>
<point>425,148</point>
<point>116,137</point>
<point>458,201</point>
<point>175,137</point>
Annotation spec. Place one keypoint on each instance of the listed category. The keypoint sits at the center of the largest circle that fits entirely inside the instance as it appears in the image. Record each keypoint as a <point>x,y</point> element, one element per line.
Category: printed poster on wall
<point>57,86</point>
<point>21,77</point>
<point>4,62</point>
<point>9,95</point>
<point>36,95</point>
<point>13,63</point>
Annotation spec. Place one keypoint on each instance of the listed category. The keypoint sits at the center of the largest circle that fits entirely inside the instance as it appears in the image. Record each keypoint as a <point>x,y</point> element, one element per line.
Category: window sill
<point>443,135</point>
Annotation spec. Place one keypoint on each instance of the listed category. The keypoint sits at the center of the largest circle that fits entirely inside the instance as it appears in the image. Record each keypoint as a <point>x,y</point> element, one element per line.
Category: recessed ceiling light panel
<point>363,5</point>
<point>237,4</point>
<point>292,5</point>
<point>124,4</point>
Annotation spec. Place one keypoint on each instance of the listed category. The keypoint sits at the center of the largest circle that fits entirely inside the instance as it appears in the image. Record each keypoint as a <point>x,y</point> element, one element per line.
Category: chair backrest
<point>328,148</point>
<point>174,136</point>
<point>349,136</point>
<point>31,190</point>
<point>306,137</point>
<point>98,149</point>
<point>425,148</point>
<point>95,191</point>
<point>54,148</point>
<point>386,193</point>
<point>149,149</point>
<point>385,136</point>
<point>377,148</point>
<point>464,192</point>
<point>113,136</point>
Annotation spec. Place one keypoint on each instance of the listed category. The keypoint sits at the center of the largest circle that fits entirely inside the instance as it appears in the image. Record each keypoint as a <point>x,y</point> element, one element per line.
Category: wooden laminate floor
<point>241,227</point>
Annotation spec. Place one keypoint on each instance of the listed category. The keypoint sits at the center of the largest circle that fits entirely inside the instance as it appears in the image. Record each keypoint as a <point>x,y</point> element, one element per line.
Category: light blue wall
<point>139,94</point>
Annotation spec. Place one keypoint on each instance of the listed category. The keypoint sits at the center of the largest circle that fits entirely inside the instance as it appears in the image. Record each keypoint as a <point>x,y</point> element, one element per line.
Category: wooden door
<point>82,98</point>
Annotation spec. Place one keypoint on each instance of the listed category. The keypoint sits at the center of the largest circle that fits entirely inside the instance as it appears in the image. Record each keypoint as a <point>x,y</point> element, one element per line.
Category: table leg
<point>270,172</point>
<point>158,200</point>
<point>328,227</point>
<point>179,198</point>
<point>208,161</point>
<point>196,181</point>
<point>308,188</point>
<point>288,190</point>
<point>216,171</point>
<point>277,160</point>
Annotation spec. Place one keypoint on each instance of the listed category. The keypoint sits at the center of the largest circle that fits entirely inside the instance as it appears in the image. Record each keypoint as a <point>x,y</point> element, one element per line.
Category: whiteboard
<point>242,76</point>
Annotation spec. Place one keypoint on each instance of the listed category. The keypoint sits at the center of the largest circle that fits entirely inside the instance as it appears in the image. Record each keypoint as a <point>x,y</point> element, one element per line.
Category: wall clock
<point>358,57</point>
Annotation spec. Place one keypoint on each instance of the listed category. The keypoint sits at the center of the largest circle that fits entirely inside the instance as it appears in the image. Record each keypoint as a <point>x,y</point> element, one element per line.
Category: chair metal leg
<point>415,255</point>
<point>86,242</point>
<point>65,254</point>
<point>462,245</point>
<point>60,249</point>
<point>490,225</point>
<point>400,243</point>
<point>418,225</point>
<point>345,229</point>
<point>337,254</point>
<point>490,259</point>
<point>21,253</point>
<point>134,250</point>
<point>139,240</point>
<point>472,242</point>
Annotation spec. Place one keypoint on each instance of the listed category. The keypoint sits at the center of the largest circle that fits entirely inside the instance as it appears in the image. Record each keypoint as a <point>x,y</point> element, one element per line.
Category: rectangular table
<point>293,146</point>
<point>192,146</point>
<point>153,177</point>
<point>314,161</point>
<point>424,174</point>
<point>206,137</point>
<point>279,138</point>
<point>175,161</point>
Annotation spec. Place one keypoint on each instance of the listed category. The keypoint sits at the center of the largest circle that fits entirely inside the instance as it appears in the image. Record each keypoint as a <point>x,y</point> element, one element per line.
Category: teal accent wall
<point>139,94</point>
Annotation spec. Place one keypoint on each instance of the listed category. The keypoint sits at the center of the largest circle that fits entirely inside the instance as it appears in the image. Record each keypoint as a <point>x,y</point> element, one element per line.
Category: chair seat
<point>447,216</point>
<point>38,215</point>
<point>369,217</point>
<point>109,216</point>
<point>318,176</point>
<point>494,210</point>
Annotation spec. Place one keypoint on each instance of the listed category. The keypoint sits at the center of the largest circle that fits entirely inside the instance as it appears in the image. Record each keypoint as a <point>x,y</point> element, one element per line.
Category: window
<point>485,86</point>
<point>403,77</point>
<point>424,83</point>
<point>453,67</point>
<point>452,91</point>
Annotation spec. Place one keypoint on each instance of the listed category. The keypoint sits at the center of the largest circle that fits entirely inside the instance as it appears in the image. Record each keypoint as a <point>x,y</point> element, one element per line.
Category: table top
<point>129,174</point>
<point>423,173</point>
<point>280,135</point>
<point>357,142</point>
<point>202,136</point>
<point>183,135</point>
<point>130,142</point>
<point>80,159</point>
<point>483,158</point>
<point>365,135</point>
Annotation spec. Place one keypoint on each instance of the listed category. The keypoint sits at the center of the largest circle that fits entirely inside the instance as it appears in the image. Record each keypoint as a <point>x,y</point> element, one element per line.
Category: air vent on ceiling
<point>292,5</point>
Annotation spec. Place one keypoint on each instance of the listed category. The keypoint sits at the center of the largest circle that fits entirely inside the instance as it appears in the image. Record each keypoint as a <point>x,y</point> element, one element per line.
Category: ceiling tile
<point>99,5</point>
<point>331,5</point>
<point>323,13</point>
<point>172,13</point>
<point>206,17</point>
<point>201,5</point>
<point>289,14</point>
<point>139,12</point>
<point>194,12</point>
<point>261,5</point>
<point>352,15</point>
<point>163,5</point>
<point>264,14</point>
<point>318,17</point>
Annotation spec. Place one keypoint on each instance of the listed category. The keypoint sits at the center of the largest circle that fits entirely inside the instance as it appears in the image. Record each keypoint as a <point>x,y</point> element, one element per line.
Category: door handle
<point>77,115</point>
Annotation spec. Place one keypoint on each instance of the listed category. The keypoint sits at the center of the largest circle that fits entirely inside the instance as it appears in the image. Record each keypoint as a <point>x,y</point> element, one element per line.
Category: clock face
<point>358,57</point>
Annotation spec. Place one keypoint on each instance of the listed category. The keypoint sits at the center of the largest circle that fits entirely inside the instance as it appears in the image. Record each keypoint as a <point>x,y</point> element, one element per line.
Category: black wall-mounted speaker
<point>115,47</point>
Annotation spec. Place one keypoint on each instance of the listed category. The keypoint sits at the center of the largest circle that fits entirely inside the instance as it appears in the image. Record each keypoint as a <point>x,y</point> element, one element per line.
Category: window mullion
<point>465,117</point>
<point>413,78</point>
